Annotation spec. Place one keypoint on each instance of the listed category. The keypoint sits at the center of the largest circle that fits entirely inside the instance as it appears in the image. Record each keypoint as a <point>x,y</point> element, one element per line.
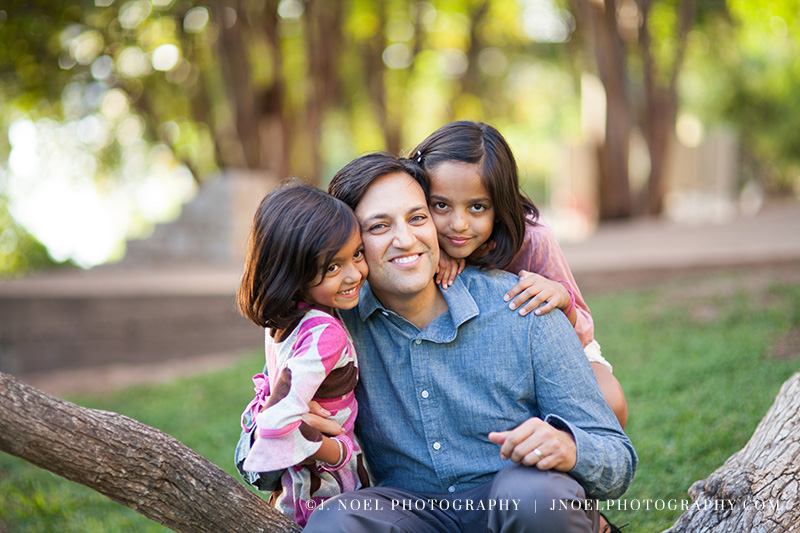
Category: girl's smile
<point>461,208</point>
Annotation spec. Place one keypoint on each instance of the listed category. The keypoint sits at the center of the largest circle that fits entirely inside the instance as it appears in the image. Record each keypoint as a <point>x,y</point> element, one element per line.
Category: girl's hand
<point>317,418</point>
<point>535,289</point>
<point>448,269</point>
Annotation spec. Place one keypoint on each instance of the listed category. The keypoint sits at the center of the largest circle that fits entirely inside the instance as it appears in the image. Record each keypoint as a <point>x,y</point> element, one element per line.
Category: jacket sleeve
<point>284,439</point>
<point>263,481</point>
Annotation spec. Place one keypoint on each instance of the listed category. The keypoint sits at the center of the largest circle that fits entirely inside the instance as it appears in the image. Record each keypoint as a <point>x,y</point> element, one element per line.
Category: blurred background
<point>114,114</point>
<point>659,138</point>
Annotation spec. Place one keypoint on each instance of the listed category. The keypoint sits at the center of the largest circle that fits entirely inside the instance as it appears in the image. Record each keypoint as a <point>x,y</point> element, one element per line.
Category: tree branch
<point>131,463</point>
<point>758,485</point>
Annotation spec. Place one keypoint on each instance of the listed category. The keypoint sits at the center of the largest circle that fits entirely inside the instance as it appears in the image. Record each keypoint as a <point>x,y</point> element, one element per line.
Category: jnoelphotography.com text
<point>636,504</point>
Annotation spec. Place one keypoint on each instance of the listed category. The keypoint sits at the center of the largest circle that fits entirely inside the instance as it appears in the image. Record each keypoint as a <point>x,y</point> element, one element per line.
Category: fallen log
<point>131,463</point>
<point>758,488</point>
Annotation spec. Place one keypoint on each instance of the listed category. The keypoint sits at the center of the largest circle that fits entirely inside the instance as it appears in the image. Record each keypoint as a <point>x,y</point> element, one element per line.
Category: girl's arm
<point>284,437</point>
<point>541,254</point>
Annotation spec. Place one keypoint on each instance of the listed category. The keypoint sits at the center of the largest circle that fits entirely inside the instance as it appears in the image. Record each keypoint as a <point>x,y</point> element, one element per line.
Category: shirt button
<point>436,445</point>
<point>424,394</point>
<point>451,489</point>
<point>384,313</point>
<point>418,341</point>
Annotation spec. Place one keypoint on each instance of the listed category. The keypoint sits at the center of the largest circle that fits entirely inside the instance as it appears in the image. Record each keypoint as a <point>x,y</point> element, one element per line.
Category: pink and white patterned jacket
<point>316,361</point>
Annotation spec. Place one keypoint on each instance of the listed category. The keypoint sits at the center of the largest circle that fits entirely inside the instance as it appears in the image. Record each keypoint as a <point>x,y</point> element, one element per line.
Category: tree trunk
<point>238,78</point>
<point>614,188</point>
<point>131,463</point>
<point>661,102</point>
<point>756,490</point>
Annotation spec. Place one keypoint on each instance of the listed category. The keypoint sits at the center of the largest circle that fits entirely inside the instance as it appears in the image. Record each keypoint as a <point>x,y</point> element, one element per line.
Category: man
<point>453,385</point>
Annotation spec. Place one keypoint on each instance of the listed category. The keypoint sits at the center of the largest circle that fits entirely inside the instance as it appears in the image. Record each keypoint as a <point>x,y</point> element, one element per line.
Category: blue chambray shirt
<point>428,399</point>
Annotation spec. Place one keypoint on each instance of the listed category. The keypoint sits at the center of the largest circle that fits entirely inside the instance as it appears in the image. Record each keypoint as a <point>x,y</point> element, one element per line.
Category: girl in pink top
<point>483,219</point>
<point>304,261</point>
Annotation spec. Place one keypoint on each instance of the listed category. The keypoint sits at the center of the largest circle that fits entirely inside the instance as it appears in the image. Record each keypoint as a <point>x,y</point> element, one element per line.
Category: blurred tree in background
<point>125,106</point>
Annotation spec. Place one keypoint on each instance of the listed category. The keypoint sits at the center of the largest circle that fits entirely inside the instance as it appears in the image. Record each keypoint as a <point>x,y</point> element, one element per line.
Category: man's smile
<point>405,259</point>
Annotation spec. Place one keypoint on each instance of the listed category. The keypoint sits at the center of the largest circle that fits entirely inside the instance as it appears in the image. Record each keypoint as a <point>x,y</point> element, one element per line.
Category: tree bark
<point>613,187</point>
<point>661,102</point>
<point>238,76</point>
<point>131,463</point>
<point>756,490</point>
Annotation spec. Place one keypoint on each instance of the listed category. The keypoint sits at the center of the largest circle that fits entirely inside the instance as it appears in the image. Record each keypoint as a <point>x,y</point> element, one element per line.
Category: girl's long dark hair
<point>483,145</point>
<point>296,229</point>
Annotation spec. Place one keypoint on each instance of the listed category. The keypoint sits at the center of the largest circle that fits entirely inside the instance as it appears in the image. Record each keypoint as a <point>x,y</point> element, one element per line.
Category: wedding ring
<point>538,452</point>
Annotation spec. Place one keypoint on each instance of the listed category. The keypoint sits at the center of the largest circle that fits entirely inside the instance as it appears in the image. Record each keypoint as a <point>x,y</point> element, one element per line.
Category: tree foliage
<point>299,87</point>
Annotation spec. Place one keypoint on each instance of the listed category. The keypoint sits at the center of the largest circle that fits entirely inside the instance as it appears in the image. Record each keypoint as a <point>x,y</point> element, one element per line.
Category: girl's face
<point>338,286</point>
<point>461,208</point>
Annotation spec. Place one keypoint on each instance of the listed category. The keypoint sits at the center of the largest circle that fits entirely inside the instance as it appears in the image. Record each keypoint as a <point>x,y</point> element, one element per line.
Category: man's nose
<point>403,236</point>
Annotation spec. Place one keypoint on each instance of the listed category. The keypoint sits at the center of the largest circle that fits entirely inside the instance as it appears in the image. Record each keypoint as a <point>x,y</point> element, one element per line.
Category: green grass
<point>693,354</point>
<point>201,412</point>
<point>695,359</point>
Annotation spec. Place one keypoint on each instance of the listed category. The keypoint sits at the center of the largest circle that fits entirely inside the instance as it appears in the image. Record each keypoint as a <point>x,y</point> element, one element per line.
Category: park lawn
<point>695,355</point>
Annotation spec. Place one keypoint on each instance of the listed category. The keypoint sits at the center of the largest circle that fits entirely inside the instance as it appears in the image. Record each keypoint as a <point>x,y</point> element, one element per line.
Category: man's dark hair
<point>352,181</point>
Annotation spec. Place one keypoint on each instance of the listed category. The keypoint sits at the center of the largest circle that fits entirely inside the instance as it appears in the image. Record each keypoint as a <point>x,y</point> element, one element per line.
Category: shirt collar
<point>367,302</point>
<point>459,300</point>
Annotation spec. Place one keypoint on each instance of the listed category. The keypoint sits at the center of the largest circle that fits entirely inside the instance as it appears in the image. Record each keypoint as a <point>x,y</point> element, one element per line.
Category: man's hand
<point>521,444</point>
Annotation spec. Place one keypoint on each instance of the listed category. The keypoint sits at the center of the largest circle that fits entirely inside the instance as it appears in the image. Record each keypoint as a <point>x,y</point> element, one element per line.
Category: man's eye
<point>377,227</point>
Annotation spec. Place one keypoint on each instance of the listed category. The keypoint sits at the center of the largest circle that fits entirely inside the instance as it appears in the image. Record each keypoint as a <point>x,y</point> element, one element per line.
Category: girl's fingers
<point>526,281</point>
<point>533,296</point>
<point>324,425</point>
<point>549,302</point>
<point>444,275</point>
<point>453,272</point>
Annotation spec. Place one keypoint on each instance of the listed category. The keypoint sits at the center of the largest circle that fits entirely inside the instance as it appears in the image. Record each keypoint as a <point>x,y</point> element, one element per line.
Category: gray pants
<point>519,498</point>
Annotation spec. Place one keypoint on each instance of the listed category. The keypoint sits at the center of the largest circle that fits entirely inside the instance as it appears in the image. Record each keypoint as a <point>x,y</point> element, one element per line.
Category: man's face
<point>400,241</point>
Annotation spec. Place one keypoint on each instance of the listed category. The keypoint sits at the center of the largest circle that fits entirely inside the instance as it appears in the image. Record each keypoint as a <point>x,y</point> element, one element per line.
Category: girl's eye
<point>440,205</point>
<point>333,269</point>
<point>359,255</point>
<point>478,208</point>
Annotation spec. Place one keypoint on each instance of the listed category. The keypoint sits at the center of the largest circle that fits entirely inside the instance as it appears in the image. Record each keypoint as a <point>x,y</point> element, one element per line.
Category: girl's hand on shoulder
<point>447,269</point>
<point>532,290</point>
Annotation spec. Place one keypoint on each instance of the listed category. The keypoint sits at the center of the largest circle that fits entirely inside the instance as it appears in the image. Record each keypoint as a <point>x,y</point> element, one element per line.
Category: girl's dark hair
<point>353,180</point>
<point>296,229</point>
<point>482,144</point>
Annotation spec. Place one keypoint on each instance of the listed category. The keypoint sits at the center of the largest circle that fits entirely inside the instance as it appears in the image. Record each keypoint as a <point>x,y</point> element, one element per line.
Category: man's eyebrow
<point>381,216</point>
